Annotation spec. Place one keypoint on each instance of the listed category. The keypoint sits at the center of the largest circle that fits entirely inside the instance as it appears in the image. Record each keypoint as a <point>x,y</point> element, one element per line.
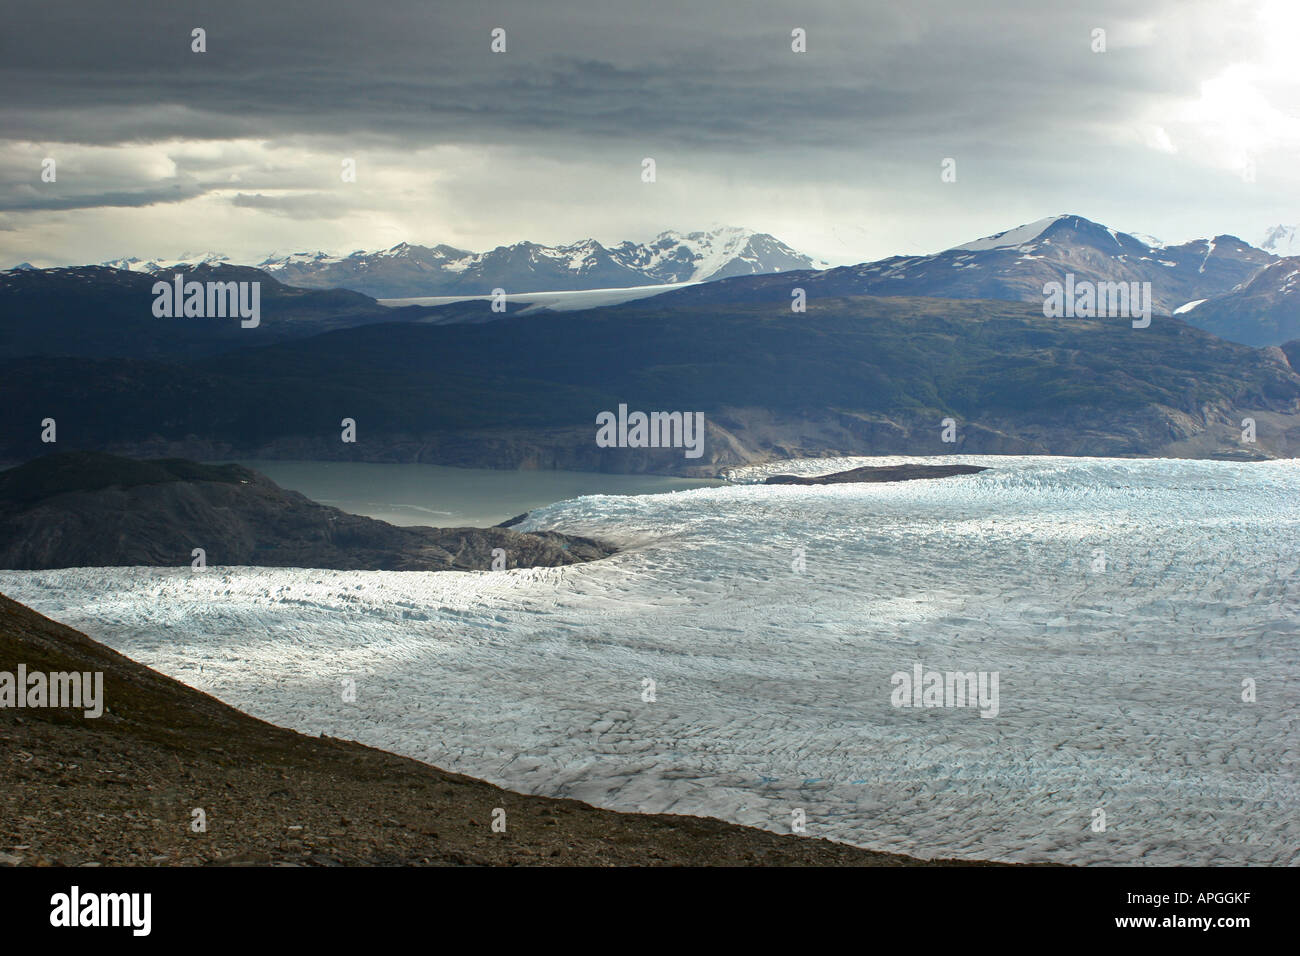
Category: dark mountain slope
<point>1263,311</point>
<point>862,353</point>
<point>855,375</point>
<point>92,311</point>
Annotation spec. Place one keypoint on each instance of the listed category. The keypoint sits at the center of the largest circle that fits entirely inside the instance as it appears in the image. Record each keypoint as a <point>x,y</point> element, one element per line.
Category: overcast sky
<point>1188,125</point>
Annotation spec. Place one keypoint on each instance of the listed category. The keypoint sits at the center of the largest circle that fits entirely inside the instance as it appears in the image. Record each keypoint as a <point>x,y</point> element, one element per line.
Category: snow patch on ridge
<point>1012,237</point>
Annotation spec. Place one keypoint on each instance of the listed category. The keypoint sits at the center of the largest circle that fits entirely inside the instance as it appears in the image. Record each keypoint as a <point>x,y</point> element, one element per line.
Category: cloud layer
<point>1186,125</point>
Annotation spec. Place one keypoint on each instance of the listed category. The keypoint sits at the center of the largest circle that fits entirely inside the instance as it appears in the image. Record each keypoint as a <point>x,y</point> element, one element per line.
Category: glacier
<point>1122,601</point>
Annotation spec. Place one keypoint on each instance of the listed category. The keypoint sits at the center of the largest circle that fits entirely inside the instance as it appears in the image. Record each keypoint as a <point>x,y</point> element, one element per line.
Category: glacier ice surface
<point>1122,602</point>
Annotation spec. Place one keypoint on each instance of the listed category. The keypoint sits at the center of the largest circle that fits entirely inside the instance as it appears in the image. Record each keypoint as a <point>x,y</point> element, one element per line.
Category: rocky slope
<point>95,510</point>
<point>121,790</point>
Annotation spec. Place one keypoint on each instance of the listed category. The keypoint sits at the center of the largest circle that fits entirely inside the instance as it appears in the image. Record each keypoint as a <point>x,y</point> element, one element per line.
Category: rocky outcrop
<point>95,510</point>
<point>873,473</point>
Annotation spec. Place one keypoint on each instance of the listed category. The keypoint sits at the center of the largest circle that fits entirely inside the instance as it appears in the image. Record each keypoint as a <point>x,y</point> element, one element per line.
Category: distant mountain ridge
<point>409,270</point>
<point>1222,284</point>
<point>1015,265</point>
<point>187,260</point>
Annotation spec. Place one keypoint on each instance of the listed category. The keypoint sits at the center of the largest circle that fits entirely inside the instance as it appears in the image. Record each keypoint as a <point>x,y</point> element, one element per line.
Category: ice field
<point>1122,603</point>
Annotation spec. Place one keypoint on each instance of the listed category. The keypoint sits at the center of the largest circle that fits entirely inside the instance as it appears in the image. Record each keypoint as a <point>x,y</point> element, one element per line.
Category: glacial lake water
<point>442,497</point>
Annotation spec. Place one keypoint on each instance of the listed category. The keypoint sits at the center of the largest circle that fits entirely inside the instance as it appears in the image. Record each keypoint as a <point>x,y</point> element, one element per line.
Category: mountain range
<point>883,353</point>
<point>1015,264</point>
<point>408,270</point>
<point>1224,284</point>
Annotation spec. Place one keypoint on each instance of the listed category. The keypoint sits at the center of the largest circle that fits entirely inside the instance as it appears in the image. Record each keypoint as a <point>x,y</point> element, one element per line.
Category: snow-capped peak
<point>718,252</point>
<point>279,260</point>
<point>709,251</point>
<point>1282,241</point>
<point>134,264</point>
<point>1150,242</point>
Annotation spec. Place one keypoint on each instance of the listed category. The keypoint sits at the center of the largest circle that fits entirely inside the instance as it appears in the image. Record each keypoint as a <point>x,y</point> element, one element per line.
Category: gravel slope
<point>121,789</point>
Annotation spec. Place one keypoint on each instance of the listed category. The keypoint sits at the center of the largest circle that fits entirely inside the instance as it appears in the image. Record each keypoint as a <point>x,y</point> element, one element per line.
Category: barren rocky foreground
<point>121,790</point>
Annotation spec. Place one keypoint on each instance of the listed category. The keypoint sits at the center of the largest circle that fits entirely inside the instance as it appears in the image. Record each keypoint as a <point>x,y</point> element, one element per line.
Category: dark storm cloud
<point>16,200</point>
<point>27,199</point>
<point>686,74</point>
